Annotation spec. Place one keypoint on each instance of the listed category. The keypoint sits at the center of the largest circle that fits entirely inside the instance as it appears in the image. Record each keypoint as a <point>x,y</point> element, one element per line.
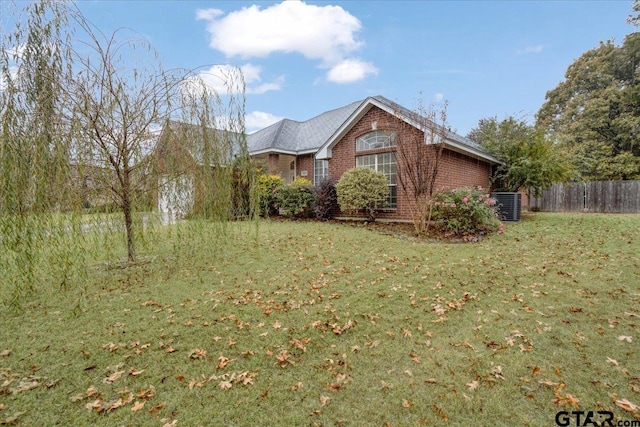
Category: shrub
<point>326,199</point>
<point>465,212</point>
<point>296,199</point>
<point>268,186</point>
<point>362,189</point>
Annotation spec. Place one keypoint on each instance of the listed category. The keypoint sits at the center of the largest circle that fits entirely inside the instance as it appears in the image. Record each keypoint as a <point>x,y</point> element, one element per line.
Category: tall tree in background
<point>529,159</point>
<point>595,112</point>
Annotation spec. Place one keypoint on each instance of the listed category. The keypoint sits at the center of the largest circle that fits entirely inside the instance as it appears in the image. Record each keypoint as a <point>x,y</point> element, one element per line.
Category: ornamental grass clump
<point>465,213</point>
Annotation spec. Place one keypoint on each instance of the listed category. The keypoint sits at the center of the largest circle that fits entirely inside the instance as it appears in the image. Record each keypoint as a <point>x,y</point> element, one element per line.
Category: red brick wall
<point>305,163</point>
<point>455,170</point>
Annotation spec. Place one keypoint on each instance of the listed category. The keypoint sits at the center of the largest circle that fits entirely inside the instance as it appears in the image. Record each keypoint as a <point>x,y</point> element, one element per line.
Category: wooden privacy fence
<point>595,196</point>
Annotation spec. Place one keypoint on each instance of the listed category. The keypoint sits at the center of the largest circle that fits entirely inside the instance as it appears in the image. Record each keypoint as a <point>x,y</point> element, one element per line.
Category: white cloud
<point>257,120</point>
<point>324,33</point>
<point>225,79</point>
<point>317,32</point>
<point>530,49</point>
<point>350,70</point>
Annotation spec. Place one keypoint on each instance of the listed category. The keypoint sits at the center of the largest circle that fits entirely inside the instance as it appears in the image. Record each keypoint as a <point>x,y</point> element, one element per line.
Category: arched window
<point>384,162</point>
<point>376,139</point>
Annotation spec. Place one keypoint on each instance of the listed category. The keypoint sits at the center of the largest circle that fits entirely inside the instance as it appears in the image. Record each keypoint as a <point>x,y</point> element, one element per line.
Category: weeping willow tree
<point>212,129</point>
<point>36,177</point>
<point>81,117</point>
<point>118,96</point>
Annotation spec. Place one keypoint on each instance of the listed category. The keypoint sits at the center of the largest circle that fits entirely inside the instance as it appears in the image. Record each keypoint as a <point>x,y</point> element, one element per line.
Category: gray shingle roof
<point>303,137</point>
<point>299,137</point>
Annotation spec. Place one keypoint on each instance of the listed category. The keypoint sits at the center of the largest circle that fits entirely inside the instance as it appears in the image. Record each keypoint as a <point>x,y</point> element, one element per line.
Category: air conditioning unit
<point>509,205</point>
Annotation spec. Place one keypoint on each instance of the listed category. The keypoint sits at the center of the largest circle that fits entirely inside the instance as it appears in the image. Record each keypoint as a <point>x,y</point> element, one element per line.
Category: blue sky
<point>486,58</point>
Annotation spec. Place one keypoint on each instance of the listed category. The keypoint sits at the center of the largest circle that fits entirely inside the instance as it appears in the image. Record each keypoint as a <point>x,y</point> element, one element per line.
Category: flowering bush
<point>465,212</point>
<point>268,186</point>
<point>296,199</point>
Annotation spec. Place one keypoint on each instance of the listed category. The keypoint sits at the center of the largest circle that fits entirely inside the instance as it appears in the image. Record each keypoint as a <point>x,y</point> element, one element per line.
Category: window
<point>376,139</point>
<point>384,163</point>
<point>320,171</point>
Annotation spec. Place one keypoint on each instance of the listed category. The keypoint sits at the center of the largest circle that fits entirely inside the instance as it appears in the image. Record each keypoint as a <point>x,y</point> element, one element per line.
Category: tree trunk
<point>128,217</point>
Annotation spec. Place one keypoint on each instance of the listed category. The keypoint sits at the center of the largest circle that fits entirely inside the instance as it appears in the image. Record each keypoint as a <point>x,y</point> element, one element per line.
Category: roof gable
<point>452,141</point>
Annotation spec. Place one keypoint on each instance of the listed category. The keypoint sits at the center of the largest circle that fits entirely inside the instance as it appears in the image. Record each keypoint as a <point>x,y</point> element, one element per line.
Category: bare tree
<point>420,137</point>
<point>118,98</point>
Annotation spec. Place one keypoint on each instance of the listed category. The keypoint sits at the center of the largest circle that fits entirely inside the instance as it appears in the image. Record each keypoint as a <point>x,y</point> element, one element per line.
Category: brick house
<point>369,133</point>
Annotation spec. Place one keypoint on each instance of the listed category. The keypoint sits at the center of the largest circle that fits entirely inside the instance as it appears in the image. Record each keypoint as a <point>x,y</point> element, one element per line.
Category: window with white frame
<point>376,139</point>
<point>320,171</point>
<point>384,163</point>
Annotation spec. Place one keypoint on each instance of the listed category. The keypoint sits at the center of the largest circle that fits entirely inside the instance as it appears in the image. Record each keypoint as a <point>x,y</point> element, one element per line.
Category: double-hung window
<point>383,162</point>
<point>320,171</point>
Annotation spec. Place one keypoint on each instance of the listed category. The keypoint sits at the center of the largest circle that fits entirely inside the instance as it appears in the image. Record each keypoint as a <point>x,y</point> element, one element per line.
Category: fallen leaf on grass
<point>13,419</point>
<point>224,385</point>
<point>134,372</point>
<point>197,353</point>
<point>113,377</point>
<point>170,349</point>
<point>536,371</point>
<point>612,361</point>
<point>625,338</point>
<point>223,361</point>
<point>5,353</point>
<point>440,412</point>
<point>473,385</point>
<point>137,406</point>
<point>496,371</point>
<point>626,405</point>
<point>156,408</point>
<point>406,403</point>
<point>324,400</point>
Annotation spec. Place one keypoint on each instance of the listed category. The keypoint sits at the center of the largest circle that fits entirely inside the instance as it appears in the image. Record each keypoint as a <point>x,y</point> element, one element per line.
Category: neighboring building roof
<point>292,137</point>
<point>225,144</point>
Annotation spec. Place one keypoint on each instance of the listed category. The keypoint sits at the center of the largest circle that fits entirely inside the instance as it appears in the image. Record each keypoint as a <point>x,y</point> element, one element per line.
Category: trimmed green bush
<point>465,212</point>
<point>295,200</point>
<point>364,190</point>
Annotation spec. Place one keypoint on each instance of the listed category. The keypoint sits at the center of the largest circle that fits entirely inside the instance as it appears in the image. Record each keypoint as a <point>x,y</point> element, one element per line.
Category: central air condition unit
<point>509,205</point>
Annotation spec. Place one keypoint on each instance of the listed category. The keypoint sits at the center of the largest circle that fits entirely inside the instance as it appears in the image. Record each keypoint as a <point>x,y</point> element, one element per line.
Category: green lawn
<point>304,323</point>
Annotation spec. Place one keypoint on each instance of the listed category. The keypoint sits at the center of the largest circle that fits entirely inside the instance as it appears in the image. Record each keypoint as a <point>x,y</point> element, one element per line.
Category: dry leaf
<point>224,385</point>
<point>137,406</point>
<point>156,408</point>
<point>324,400</point>
<point>113,377</point>
<point>406,403</point>
<point>5,353</point>
<point>197,353</point>
<point>473,385</point>
<point>612,361</point>
<point>133,372</point>
<point>536,371</point>
<point>170,349</point>
<point>626,405</point>
<point>625,338</point>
